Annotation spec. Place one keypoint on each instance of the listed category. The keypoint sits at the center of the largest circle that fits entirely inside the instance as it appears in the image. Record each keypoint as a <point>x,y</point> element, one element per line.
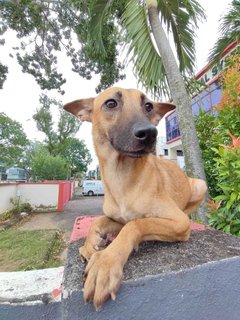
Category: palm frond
<point>147,62</point>
<point>180,19</point>
<point>98,11</point>
<point>229,31</point>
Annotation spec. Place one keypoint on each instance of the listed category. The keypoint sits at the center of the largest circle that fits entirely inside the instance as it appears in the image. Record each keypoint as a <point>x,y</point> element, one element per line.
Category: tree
<point>156,66</point>
<point>13,140</point>
<point>229,31</point>
<point>96,25</point>
<point>47,167</point>
<point>33,148</point>
<point>60,139</point>
<point>76,155</point>
<point>47,27</point>
<point>55,137</point>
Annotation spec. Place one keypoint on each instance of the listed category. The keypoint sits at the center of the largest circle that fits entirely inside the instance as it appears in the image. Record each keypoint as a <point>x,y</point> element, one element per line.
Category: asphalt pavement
<point>64,221</point>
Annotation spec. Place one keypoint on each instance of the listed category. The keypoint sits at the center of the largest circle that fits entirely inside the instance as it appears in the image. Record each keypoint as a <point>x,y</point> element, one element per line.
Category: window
<point>172,128</point>
<point>179,153</point>
<point>166,152</point>
<point>205,100</point>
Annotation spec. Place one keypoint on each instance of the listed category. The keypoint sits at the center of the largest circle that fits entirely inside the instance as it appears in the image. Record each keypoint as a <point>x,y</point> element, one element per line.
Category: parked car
<point>92,187</point>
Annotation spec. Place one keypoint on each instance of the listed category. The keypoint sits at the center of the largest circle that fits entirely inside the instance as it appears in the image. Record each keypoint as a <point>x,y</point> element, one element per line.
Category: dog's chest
<point>124,208</point>
<point>122,213</point>
<point>125,213</point>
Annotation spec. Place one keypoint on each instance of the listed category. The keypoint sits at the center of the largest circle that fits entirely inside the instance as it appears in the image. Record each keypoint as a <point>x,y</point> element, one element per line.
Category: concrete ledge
<point>196,280</point>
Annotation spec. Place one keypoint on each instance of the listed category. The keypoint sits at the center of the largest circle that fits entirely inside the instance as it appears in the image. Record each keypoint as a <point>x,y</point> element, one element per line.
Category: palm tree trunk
<point>191,149</point>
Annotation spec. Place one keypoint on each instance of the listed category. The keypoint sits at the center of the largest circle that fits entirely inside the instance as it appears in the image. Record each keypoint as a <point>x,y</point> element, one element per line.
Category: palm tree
<point>229,31</point>
<point>154,61</point>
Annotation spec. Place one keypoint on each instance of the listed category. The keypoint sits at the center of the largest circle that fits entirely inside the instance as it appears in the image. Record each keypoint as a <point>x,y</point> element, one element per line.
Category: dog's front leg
<point>104,271</point>
<point>97,236</point>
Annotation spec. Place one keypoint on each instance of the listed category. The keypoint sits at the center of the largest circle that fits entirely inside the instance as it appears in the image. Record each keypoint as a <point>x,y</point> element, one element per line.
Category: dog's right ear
<point>82,108</point>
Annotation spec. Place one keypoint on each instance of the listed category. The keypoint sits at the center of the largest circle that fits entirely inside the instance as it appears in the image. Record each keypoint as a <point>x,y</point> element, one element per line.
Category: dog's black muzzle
<point>135,140</point>
<point>146,134</point>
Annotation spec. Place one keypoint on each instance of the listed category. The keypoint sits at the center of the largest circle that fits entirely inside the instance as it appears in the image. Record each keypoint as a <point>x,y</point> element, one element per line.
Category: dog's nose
<point>145,133</point>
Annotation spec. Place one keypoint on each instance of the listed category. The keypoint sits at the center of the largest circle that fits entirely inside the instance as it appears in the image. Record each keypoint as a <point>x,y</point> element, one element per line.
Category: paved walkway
<point>64,220</point>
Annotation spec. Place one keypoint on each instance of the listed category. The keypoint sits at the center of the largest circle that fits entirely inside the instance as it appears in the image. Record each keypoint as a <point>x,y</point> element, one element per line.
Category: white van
<point>92,187</point>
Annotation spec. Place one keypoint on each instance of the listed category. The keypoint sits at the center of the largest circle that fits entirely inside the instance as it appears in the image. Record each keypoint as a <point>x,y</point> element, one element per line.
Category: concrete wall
<point>7,191</point>
<point>39,194</point>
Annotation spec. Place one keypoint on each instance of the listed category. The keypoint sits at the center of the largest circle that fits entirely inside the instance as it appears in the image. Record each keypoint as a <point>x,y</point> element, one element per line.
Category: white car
<point>92,187</point>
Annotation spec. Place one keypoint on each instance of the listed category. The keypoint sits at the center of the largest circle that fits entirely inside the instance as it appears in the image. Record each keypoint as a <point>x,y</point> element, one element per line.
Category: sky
<point>19,97</point>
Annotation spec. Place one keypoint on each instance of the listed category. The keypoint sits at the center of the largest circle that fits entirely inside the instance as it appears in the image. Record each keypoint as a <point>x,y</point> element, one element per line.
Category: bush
<point>208,137</point>
<point>226,217</point>
<point>221,152</point>
<point>17,208</point>
<point>213,130</point>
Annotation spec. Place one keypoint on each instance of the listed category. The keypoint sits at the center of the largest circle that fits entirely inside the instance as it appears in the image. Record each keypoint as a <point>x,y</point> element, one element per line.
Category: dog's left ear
<point>161,109</point>
<point>82,108</point>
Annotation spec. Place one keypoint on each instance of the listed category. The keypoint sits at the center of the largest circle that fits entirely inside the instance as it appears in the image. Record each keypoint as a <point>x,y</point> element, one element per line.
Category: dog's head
<point>124,118</point>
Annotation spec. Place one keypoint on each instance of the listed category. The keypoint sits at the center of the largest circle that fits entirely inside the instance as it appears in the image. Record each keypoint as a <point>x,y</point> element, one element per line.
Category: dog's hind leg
<point>198,188</point>
<point>97,236</point>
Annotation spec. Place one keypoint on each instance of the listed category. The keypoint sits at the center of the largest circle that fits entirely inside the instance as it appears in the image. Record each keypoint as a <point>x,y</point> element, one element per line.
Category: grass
<point>30,249</point>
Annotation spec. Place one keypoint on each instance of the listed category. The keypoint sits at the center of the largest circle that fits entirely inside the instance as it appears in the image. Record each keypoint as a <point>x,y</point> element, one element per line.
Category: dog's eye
<point>111,103</point>
<point>148,106</point>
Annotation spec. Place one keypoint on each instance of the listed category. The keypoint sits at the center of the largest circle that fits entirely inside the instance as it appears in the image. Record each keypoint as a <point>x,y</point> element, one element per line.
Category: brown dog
<point>146,198</point>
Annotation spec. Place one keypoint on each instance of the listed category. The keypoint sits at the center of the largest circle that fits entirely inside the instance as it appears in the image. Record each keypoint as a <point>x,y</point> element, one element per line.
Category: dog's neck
<point>122,177</point>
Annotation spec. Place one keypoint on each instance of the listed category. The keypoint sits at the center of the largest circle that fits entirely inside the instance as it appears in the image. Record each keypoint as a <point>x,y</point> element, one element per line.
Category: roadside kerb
<point>31,295</point>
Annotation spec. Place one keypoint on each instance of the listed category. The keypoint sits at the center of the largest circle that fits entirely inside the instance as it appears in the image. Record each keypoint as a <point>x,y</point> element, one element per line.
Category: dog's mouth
<point>135,154</point>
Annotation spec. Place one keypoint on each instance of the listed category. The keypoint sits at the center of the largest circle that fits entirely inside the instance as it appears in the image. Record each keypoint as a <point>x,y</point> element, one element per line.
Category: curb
<point>31,295</point>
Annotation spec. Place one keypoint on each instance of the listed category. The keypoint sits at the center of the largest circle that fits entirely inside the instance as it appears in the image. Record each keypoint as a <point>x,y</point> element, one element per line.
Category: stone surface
<point>198,279</point>
<point>156,257</point>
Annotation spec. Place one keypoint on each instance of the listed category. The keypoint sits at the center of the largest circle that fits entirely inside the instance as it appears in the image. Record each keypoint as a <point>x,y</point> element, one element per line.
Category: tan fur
<point>146,198</point>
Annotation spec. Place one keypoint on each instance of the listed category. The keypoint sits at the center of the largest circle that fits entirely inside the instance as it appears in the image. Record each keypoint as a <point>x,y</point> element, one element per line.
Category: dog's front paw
<point>102,277</point>
<point>95,242</point>
<point>86,252</point>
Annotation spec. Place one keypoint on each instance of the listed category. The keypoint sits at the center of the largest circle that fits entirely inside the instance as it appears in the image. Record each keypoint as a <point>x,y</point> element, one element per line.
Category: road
<point>83,206</point>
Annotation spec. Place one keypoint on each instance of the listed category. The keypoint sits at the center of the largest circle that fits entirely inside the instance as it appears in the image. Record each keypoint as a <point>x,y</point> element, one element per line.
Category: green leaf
<point>221,226</point>
<point>227,229</point>
<point>221,197</point>
<point>233,196</point>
